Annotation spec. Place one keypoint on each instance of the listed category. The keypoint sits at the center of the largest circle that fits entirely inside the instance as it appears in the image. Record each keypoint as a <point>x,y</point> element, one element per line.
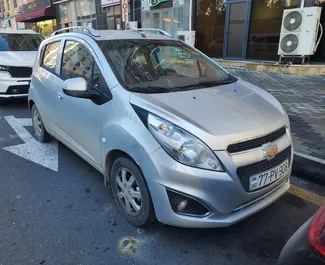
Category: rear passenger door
<point>79,118</point>
<point>44,81</point>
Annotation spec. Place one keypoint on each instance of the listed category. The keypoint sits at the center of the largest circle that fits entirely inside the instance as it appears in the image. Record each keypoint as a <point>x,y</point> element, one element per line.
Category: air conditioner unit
<point>17,10</point>
<point>187,36</point>
<point>299,31</point>
<point>131,25</point>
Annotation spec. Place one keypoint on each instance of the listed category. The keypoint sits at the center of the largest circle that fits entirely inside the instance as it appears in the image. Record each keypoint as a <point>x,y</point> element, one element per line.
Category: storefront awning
<point>38,15</point>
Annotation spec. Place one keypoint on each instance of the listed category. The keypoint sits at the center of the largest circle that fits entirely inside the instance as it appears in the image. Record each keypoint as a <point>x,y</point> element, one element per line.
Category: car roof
<point>18,31</point>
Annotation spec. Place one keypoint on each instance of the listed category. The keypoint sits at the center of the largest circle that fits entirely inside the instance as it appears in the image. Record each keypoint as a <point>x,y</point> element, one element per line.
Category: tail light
<point>316,233</point>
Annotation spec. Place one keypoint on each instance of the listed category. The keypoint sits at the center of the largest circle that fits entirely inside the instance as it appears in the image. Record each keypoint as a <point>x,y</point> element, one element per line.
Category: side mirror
<point>76,87</point>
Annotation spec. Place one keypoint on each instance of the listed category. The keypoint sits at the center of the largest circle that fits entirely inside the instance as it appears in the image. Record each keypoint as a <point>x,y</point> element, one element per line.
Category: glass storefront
<point>46,28</point>
<point>86,12</point>
<point>168,19</point>
<point>65,12</point>
<point>265,27</point>
<point>210,26</point>
<point>113,14</point>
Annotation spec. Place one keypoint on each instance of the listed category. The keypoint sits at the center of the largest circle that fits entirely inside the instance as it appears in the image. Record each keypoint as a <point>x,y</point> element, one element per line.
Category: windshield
<point>20,42</point>
<point>158,66</point>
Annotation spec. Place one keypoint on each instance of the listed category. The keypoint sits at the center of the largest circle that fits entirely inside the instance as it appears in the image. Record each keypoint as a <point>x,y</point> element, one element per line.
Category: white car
<point>18,51</point>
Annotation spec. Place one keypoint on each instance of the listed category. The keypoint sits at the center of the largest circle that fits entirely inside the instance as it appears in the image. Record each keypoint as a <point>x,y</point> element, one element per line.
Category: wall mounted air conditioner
<point>187,36</point>
<point>299,31</point>
<point>17,11</point>
<point>131,25</point>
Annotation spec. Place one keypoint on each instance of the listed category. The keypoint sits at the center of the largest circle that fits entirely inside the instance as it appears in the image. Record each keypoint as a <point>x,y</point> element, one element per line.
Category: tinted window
<point>50,55</point>
<point>20,42</point>
<point>157,66</point>
<point>78,61</point>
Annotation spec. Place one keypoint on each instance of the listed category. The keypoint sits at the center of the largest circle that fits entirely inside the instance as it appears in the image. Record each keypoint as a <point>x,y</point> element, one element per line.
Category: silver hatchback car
<point>177,137</point>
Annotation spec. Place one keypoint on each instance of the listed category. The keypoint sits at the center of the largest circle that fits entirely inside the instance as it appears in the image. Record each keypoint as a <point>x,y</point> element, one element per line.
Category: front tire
<point>39,129</point>
<point>131,193</point>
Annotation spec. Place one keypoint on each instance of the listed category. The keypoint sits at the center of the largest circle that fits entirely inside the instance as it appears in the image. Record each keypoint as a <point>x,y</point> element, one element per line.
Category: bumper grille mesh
<point>245,172</point>
<point>257,142</point>
<point>20,72</point>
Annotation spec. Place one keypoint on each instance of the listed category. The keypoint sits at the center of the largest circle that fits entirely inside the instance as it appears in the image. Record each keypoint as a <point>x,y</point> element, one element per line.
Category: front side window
<point>156,66</point>
<point>50,55</point>
<point>20,42</point>
<point>77,61</point>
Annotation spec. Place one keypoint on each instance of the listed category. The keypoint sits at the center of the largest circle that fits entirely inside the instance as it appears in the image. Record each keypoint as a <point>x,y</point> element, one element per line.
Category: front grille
<point>13,90</point>
<point>245,172</point>
<point>20,71</point>
<point>257,142</point>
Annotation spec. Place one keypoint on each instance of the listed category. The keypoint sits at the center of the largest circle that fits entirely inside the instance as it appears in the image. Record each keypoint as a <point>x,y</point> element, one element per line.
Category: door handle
<point>60,96</point>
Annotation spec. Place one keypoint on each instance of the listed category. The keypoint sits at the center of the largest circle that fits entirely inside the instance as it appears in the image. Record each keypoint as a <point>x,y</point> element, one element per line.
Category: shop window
<point>265,28</point>
<point>146,20</point>
<point>210,26</point>
<point>178,20</point>
<point>85,9</point>
<point>113,14</point>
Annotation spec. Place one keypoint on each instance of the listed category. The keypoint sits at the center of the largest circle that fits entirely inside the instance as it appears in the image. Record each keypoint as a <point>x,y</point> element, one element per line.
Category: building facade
<point>229,29</point>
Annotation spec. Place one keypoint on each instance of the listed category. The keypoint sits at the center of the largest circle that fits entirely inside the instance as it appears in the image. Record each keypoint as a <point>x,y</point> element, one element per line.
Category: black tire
<point>40,132</point>
<point>146,214</point>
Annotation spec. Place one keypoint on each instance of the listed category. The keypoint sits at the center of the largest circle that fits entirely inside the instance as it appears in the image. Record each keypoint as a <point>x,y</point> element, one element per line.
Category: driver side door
<point>79,119</point>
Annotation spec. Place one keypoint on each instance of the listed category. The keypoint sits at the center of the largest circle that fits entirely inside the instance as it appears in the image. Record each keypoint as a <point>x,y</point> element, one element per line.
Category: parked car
<point>307,244</point>
<point>18,50</point>
<point>178,137</point>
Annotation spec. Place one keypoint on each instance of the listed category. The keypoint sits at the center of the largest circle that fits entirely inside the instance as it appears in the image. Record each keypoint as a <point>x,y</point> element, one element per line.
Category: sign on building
<point>125,10</point>
<point>110,2</point>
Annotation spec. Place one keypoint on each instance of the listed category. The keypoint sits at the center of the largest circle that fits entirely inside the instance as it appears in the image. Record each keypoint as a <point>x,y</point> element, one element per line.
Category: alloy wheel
<point>128,191</point>
<point>38,126</point>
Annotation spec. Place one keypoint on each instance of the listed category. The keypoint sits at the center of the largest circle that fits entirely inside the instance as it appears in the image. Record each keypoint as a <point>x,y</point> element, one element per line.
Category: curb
<point>309,167</point>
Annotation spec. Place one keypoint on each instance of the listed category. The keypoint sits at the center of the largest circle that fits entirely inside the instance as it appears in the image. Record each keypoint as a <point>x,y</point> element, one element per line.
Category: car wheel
<point>131,193</point>
<point>39,130</point>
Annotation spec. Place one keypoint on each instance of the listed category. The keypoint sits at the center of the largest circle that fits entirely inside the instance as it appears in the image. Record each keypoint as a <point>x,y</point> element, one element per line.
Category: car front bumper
<point>221,192</point>
<point>13,87</point>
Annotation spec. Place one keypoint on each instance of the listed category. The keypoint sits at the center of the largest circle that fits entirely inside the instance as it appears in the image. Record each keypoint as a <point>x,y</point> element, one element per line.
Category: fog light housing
<point>183,204</point>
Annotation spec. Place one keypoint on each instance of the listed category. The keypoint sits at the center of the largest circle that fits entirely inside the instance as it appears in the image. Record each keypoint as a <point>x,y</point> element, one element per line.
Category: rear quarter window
<point>50,55</point>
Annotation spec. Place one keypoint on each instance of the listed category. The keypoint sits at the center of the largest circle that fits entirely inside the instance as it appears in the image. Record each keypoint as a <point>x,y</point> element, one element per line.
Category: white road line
<point>44,154</point>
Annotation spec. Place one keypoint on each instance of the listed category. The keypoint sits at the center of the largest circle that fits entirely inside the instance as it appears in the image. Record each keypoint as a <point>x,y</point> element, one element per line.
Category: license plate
<point>264,178</point>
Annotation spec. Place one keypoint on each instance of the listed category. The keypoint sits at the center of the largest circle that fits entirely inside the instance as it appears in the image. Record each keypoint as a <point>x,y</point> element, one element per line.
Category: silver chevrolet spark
<point>177,137</point>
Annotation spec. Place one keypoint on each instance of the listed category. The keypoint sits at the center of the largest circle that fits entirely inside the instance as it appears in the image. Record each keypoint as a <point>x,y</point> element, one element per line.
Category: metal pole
<point>302,3</point>
<point>190,22</point>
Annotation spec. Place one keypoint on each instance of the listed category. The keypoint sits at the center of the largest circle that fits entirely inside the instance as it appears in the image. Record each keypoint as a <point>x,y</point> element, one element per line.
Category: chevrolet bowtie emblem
<point>269,150</point>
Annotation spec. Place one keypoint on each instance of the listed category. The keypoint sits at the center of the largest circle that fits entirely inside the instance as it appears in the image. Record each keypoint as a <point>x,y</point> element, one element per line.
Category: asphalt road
<point>69,217</point>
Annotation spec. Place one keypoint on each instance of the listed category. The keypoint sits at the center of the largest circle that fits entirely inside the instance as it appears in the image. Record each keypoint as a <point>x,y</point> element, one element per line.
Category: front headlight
<point>182,146</point>
<point>4,68</point>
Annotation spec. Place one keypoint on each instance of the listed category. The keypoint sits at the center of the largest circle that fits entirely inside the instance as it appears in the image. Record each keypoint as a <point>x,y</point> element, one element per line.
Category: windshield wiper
<point>149,89</point>
<point>208,83</point>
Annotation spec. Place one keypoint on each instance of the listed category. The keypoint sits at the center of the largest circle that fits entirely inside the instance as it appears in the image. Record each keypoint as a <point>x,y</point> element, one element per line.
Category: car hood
<point>218,115</point>
<point>26,58</point>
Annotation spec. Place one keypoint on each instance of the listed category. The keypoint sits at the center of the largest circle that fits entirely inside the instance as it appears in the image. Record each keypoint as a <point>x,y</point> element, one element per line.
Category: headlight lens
<point>4,68</point>
<point>182,146</point>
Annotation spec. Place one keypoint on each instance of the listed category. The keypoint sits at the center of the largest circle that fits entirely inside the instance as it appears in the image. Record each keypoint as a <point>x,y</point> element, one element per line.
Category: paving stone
<point>303,97</point>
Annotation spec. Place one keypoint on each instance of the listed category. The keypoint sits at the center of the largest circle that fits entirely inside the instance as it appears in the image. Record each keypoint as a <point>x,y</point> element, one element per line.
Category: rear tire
<point>131,193</point>
<point>40,132</point>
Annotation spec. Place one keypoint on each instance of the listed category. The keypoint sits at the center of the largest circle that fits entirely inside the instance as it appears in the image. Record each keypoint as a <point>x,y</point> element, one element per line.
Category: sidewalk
<point>303,97</point>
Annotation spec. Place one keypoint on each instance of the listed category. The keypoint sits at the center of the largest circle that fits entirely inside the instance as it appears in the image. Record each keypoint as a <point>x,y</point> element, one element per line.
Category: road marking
<point>44,154</point>
<point>307,195</point>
